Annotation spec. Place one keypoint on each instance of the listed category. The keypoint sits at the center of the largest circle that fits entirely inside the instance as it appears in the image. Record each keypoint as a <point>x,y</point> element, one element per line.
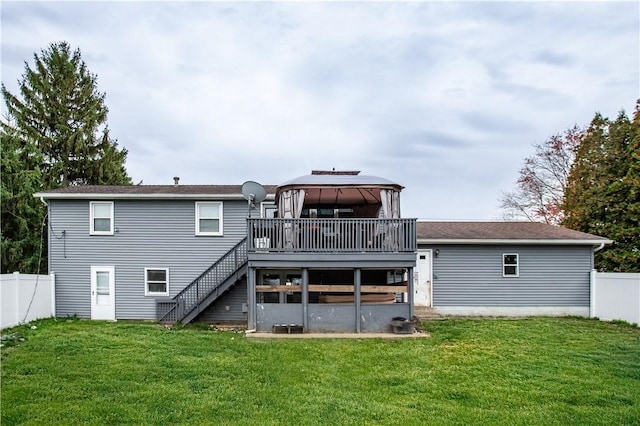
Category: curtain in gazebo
<point>390,200</point>
<point>390,209</point>
<point>290,207</point>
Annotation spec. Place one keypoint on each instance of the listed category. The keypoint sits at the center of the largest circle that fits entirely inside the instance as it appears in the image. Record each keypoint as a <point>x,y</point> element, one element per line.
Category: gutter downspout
<point>600,247</point>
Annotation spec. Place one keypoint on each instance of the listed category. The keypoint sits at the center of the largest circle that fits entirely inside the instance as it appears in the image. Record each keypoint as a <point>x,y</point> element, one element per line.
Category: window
<point>209,218</point>
<point>156,281</point>
<point>269,210</point>
<point>279,286</point>
<point>510,265</point>
<point>101,213</point>
<point>328,212</point>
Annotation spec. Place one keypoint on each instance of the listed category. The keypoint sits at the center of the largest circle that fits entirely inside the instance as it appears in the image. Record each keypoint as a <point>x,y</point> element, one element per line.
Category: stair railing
<point>198,290</point>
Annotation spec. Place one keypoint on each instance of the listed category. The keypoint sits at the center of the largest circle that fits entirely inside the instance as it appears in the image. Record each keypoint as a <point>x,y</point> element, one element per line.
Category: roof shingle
<point>498,231</point>
<point>150,190</point>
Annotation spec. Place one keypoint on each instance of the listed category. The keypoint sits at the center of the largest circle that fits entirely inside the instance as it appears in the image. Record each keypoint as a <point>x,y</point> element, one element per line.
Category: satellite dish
<point>254,193</point>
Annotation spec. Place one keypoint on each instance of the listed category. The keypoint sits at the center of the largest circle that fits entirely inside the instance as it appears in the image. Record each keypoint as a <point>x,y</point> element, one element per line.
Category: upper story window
<point>208,218</point>
<point>101,217</point>
<point>510,265</point>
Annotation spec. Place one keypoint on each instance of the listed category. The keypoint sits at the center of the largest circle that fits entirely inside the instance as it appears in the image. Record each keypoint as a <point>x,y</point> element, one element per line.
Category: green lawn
<point>534,371</point>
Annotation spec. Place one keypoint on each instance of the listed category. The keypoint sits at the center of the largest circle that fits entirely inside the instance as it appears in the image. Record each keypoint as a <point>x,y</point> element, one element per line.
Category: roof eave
<point>504,241</point>
<point>104,196</point>
<point>340,185</point>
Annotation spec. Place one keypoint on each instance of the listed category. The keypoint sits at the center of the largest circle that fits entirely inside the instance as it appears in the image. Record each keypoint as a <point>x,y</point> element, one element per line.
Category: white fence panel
<point>615,296</point>
<point>25,297</point>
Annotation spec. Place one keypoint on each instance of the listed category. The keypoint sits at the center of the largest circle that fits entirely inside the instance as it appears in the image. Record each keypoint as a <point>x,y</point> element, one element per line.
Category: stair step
<point>209,286</point>
<point>424,312</point>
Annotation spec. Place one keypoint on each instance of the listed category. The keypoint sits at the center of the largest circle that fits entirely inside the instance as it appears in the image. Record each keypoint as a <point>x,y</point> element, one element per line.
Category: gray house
<point>117,250</point>
<point>324,252</point>
<point>504,269</point>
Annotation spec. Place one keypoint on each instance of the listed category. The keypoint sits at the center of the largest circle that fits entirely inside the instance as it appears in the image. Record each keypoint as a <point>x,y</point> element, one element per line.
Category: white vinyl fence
<point>25,297</point>
<point>615,296</point>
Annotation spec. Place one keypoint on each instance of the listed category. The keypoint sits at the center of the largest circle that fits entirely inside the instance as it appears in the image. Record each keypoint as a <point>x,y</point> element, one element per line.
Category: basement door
<point>103,296</point>
<point>422,283</point>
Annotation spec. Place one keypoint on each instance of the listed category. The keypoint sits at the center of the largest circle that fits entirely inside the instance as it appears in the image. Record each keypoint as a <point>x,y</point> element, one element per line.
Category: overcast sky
<point>445,99</point>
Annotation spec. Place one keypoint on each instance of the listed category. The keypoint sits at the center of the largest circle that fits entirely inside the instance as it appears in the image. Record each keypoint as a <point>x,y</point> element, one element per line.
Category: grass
<point>535,371</point>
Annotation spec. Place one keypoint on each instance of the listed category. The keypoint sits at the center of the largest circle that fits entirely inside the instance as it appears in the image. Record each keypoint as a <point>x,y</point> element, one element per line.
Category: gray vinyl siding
<point>471,275</point>
<point>149,233</point>
<point>233,300</point>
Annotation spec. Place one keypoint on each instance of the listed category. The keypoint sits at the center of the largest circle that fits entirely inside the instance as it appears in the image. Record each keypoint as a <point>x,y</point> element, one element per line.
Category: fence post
<point>52,277</point>
<point>592,292</point>
<point>638,310</point>
<point>17,320</point>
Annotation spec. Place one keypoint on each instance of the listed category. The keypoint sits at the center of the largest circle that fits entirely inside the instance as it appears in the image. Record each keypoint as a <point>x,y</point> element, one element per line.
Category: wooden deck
<point>331,235</point>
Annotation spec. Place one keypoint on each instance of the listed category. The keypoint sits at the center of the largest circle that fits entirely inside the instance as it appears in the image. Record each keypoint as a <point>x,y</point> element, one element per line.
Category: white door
<point>422,283</point>
<point>103,296</point>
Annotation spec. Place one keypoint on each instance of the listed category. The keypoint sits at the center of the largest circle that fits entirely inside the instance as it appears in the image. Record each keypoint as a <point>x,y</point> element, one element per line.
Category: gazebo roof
<point>339,187</point>
<point>364,180</point>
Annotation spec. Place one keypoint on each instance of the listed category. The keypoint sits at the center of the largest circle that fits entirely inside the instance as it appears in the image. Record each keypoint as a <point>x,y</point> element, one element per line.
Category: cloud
<point>444,98</point>
<point>550,57</point>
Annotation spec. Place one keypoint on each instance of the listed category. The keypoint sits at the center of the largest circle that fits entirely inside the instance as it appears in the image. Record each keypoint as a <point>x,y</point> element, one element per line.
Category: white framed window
<point>510,265</point>
<point>156,281</point>
<point>268,210</point>
<point>209,218</point>
<point>101,217</point>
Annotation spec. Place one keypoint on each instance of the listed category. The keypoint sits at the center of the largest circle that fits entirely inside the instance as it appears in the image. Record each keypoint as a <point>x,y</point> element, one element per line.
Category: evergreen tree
<point>22,214</point>
<point>603,191</point>
<point>55,135</point>
<point>63,113</point>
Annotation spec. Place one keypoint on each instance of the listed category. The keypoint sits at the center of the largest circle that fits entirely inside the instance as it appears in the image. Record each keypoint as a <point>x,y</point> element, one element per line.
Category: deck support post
<point>305,299</point>
<point>357,275</point>
<point>251,298</point>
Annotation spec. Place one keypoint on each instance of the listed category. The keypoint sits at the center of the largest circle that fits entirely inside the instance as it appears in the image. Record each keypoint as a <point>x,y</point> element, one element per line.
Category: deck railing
<point>331,235</point>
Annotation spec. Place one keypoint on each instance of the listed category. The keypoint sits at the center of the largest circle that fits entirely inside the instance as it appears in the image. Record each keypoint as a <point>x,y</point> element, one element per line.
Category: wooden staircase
<point>205,289</point>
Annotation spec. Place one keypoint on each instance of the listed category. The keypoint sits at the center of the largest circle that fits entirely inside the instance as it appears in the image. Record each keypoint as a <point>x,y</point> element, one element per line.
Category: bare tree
<point>540,187</point>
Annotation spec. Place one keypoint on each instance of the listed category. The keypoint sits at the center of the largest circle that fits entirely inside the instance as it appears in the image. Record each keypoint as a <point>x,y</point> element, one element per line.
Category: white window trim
<point>517,265</point>
<point>266,205</point>
<point>146,282</point>
<point>91,217</point>
<point>220,214</point>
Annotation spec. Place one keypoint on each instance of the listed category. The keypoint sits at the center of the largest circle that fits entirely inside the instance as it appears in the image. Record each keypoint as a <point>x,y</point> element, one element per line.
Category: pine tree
<point>22,214</point>
<point>62,111</point>
<point>603,191</point>
<point>54,135</point>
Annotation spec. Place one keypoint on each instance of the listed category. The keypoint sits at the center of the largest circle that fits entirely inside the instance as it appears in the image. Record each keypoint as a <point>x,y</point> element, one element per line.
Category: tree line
<point>587,180</point>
